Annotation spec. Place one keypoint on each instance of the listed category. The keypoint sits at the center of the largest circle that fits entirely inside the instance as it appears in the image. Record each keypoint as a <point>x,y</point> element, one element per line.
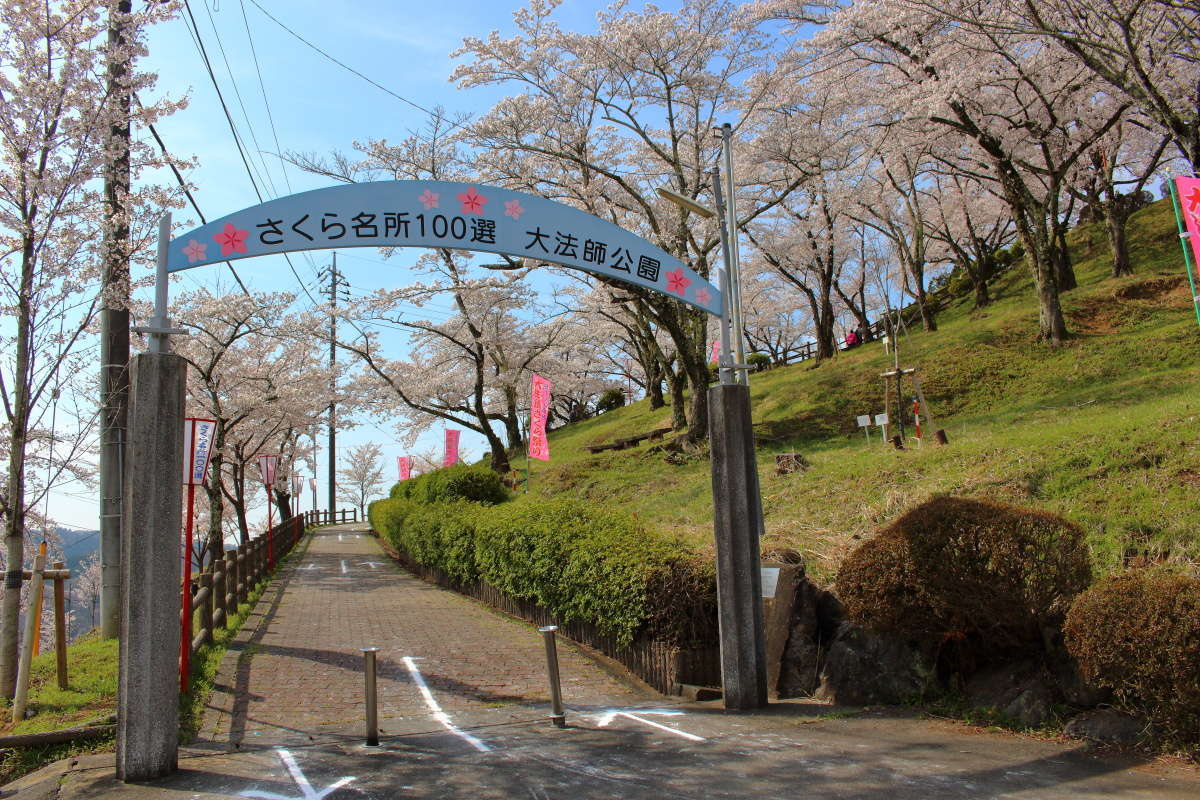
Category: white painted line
<point>371,564</point>
<point>603,720</point>
<point>435,710</point>
<point>344,568</point>
<point>309,793</point>
<point>339,537</point>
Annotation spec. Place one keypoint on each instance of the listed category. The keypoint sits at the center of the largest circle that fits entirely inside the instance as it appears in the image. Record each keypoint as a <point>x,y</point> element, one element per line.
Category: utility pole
<point>114,319</point>
<point>337,285</point>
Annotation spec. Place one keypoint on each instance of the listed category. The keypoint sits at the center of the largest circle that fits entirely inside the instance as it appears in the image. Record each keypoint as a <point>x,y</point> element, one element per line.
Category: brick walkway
<point>295,672</point>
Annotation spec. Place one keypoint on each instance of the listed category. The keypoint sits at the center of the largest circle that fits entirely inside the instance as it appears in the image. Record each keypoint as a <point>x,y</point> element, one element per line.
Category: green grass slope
<point>1103,430</point>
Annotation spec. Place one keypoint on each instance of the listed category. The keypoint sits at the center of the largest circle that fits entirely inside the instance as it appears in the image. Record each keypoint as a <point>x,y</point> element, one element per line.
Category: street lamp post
<point>737,502</point>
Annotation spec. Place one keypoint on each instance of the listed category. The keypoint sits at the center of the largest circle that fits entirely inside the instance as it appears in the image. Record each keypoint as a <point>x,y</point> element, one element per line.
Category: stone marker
<point>148,680</point>
<point>737,522</point>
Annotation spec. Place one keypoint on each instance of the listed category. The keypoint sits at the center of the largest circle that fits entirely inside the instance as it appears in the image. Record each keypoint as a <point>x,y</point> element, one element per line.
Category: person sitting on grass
<point>851,339</point>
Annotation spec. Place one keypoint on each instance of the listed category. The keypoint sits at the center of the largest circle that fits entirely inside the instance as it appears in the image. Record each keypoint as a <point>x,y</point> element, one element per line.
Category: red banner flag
<point>450,455</point>
<point>404,465</point>
<point>715,351</point>
<point>1188,191</point>
<point>539,410</point>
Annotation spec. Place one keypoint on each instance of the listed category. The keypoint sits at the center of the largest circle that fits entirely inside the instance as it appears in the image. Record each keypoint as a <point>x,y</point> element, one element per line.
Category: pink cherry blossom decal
<point>232,240</point>
<point>678,282</point>
<point>703,297</point>
<point>513,208</point>
<point>472,201</point>
<point>195,251</point>
<point>429,199</point>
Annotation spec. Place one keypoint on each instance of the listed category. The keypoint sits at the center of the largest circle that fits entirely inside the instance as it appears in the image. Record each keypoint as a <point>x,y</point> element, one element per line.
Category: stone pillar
<point>737,523</point>
<point>148,678</point>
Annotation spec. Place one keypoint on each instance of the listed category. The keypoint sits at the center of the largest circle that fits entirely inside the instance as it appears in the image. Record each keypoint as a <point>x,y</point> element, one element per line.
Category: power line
<point>353,71</point>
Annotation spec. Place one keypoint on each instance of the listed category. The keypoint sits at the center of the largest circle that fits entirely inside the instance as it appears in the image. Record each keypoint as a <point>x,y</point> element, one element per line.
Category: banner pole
<point>1187,251</point>
<point>185,641</point>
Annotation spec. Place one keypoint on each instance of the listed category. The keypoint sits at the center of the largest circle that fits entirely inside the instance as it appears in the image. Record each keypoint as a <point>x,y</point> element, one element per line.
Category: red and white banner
<point>404,467</point>
<point>1188,191</point>
<point>714,352</point>
<point>266,468</point>
<point>450,454</point>
<point>539,410</point>
<point>197,447</point>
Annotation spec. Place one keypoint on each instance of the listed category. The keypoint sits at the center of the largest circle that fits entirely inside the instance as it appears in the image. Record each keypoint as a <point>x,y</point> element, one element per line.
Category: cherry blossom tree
<point>361,475</point>
<point>54,111</point>
<point>603,119</point>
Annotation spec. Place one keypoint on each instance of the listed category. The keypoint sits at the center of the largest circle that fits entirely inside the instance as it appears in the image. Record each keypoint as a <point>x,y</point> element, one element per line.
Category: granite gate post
<point>737,522</point>
<point>148,681</point>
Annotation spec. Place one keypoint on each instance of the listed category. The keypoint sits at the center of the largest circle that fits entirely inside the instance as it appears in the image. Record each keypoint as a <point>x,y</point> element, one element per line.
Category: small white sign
<point>864,420</point>
<point>881,419</point>
<point>770,581</point>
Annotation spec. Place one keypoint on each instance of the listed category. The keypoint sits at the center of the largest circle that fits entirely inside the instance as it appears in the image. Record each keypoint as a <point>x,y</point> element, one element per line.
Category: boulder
<point>1022,691</point>
<point>1107,725</point>
<point>863,668</point>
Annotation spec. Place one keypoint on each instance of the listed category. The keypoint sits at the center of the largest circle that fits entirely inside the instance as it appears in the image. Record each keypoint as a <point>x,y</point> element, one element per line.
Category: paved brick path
<point>295,673</point>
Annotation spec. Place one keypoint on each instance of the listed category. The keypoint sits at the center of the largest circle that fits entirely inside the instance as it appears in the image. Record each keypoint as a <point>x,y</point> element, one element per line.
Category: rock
<point>1106,725</point>
<point>1022,691</point>
<point>863,668</point>
<point>799,672</point>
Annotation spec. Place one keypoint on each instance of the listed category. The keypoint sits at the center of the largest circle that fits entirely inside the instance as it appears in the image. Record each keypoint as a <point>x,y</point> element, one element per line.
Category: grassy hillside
<point>1103,430</point>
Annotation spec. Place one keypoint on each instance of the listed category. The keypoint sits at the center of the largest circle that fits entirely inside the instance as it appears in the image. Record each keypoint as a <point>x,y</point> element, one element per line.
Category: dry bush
<point>1138,633</point>
<point>993,579</point>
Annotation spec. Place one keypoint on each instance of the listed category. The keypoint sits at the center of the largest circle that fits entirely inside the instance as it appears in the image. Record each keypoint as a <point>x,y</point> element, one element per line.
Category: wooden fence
<point>229,581</point>
<point>322,517</point>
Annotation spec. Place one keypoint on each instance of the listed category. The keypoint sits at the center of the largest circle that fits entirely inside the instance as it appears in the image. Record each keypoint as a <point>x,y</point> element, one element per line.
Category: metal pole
<point>372,707</point>
<point>333,288</point>
<point>558,716</point>
<point>725,359</point>
<point>735,275</point>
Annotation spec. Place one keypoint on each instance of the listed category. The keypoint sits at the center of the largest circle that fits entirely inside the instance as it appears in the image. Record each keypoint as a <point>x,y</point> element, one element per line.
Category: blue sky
<point>316,106</point>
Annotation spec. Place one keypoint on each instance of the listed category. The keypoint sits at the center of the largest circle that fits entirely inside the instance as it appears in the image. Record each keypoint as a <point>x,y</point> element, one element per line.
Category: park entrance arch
<point>430,214</point>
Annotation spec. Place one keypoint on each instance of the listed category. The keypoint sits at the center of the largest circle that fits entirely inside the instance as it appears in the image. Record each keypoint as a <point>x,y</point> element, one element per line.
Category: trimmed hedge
<point>1138,633</point>
<point>459,482</point>
<point>579,561</point>
<point>993,579</point>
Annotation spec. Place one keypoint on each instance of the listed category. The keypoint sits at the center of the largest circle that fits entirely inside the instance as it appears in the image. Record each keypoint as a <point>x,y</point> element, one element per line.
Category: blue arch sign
<point>442,214</point>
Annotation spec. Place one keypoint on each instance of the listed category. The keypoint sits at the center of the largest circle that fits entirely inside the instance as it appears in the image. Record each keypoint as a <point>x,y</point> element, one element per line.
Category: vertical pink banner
<point>1188,190</point>
<point>539,410</point>
<point>715,351</point>
<point>451,452</point>
<point>404,466</point>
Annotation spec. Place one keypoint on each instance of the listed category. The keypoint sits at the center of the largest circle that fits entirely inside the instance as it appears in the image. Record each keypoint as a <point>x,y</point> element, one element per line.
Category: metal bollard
<point>558,717</point>
<point>372,709</point>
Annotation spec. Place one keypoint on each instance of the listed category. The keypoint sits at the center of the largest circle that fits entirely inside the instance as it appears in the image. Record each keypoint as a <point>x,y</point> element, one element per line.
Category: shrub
<point>579,561</point>
<point>992,578</point>
<point>759,361</point>
<point>1138,634</point>
<point>611,399</point>
<point>459,482</point>
<point>442,535</point>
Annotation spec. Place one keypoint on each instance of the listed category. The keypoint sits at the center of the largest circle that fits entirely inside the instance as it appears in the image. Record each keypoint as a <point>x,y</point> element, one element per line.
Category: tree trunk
<point>14,523</point>
<point>678,385</point>
<point>1115,217</point>
<point>1064,274</point>
<point>925,305</point>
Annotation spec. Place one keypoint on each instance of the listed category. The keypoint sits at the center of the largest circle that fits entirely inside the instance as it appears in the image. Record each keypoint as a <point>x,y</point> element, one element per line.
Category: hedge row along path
<point>286,719</point>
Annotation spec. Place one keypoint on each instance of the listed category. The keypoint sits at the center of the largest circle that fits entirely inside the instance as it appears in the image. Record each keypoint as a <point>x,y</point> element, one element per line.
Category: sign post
<point>864,422</point>
<point>197,447</point>
<point>882,421</point>
<point>266,468</point>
